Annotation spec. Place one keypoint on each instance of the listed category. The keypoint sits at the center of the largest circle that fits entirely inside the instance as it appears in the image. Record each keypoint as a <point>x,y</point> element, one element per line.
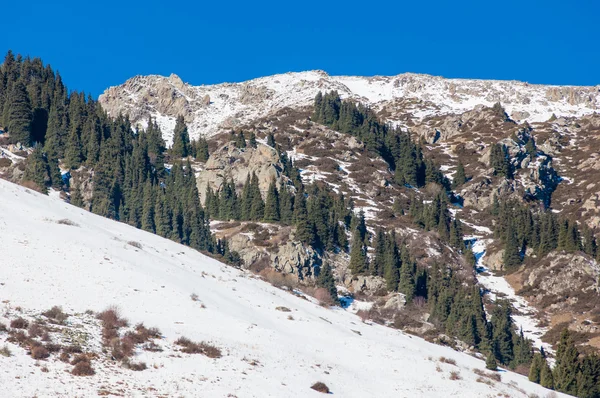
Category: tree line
<point>130,182</point>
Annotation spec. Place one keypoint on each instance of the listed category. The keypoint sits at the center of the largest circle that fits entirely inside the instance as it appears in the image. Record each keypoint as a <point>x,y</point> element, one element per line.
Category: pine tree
<point>358,255</point>
<point>567,364</point>
<point>286,205</point>
<point>512,250</point>
<point>252,140</point>
<point>148,208</point>
<point>459,177</point>
<point>36,169</point>
<point>20,115</point>
<point>73,154</point>
<point>546,377</point>
<point>202,154</point>
<point>181,139</point>
<point>326,281</point>
<point>271,140</point>
<point>272,213</point>
<point>536,368</point>
<point>304,229</point>
<point>490,362</point>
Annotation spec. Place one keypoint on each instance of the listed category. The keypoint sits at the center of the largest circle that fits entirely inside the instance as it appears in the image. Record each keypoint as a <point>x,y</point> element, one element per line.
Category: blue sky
<point>98,44</point>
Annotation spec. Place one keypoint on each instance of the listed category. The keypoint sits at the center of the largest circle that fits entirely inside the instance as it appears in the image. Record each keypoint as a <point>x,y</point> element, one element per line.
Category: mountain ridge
<point>209,109</point>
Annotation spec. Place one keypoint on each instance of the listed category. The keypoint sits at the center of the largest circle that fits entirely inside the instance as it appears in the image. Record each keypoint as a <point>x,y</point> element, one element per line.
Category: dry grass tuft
<point>204,348</point>
<point>320,387</point>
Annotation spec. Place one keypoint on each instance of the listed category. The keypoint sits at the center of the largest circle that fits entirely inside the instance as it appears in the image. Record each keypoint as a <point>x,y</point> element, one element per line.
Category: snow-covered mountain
<point>212,108</point>
<point>274,343</point>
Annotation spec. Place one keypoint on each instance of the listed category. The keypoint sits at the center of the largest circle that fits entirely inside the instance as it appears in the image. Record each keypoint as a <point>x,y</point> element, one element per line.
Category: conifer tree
<point>358,255</point>
<point>490,362</point>
<point>20,115</point>
<point>36,169</point>
<point>73,156</point>
<point>304,229</point>
<point>257,208</point>
<point>546,377</point>
<point>567,364</point>
<point>272,213</point>
<point>326,281</point>
<point>252,140</point>
<point>535,369</point>
<point>181,139</point>
<point>202,154</point>
<point>459,177</point>
<point>271,140</point>
<point>286,205</point>
<point>148,208</point>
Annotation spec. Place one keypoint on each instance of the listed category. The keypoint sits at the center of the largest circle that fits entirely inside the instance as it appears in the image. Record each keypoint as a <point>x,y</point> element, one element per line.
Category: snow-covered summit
<point>209,109</point>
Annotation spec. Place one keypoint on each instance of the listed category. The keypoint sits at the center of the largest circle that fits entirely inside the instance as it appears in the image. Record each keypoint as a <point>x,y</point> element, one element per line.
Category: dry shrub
<point>44,369</point>
<point>278,279</point>
<point>449,361</point>
<point>3,327</point>
<point>320,387</point>
<point>66,221</point>
<point>111,318</point>
<point>142,334</point>
<point>56,314</point>
<point>81,358</point>
<point>136,366</point>
<point>73,349</point>
<point>39,352</point>
<point>53,348</point>
<point>488,375</point>
<point>18,337</point>
<point>194,297</point>
<point>324,297</point>
<point>19,323</point>
<point>454,375</point>
<point>122,348</point>
<point>35,330</point>
<point>152,347</point>
<point>83,369</point>
<point>64,357</point>
<point>5,162</point>
<point>484,381</point>
<point>135,244</point>
<point>283,309</point>
<point>204,348</point>
<point>5,351</point>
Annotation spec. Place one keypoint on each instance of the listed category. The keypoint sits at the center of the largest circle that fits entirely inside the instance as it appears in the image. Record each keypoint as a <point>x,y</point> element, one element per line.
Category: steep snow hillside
<point>55,254</point>
<point>209,109</point>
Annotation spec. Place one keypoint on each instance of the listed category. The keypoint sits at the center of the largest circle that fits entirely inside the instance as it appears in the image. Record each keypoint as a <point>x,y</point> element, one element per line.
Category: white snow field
<point>91,265</point>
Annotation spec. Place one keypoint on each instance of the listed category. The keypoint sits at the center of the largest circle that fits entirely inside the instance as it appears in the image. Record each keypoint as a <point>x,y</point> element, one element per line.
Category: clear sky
<point>98,44</point>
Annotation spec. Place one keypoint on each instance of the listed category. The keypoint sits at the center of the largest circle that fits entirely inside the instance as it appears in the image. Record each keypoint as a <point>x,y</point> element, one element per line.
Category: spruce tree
<point>326,281</point>
<point>304,229</point>
<point>73,156</point>
<point>36,169</point>
<point>546,377</point>
<point>252,140</point>
<point>20,115</point>
<point>567,364</point>
<point>490,362</point>
<point>286,206</point>
<point>271,140</point>
<point>181,139</point>
<point>459,177</point>
<point>535,369</point>
<point>272,213</point>
<point>358,255</point>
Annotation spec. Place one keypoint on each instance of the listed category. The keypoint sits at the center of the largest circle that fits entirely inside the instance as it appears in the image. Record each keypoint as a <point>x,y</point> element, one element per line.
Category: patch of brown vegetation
<point>204,348</point>
<point>320,387</point>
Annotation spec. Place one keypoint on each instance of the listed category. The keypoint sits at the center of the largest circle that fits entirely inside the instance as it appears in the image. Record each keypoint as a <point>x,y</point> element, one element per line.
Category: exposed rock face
<point>278,250</point>
<point>229,162</point>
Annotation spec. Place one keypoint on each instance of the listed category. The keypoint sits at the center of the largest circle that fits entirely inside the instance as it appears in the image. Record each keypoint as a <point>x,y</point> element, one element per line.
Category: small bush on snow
<point>320,387</point>
<point>83,369</point>
<point>19,323</point>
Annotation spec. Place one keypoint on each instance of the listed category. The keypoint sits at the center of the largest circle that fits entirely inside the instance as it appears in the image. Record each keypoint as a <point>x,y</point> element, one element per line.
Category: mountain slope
<point>404,99</point>
<point>90,262</point>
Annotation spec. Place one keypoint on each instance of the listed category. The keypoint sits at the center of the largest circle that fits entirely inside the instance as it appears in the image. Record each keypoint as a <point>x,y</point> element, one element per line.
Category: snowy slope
<point>91,266</point>
<point>415,94</point>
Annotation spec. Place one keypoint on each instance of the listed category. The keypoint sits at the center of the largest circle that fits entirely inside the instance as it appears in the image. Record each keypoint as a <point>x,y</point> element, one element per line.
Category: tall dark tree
<point>20,114</point>
<point>181,139</point>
